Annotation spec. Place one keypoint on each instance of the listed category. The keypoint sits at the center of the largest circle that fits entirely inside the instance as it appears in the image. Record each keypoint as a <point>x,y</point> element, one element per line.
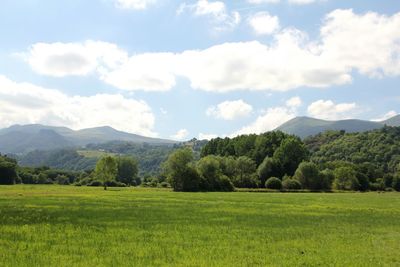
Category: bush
<point>165,185</point>
<point>291,184</point>
<point>273,183</point>
<point>309,176</point>
<point>377,186</point>
<point>115,184</point>
<point>345,179</point>
<point>396,183</point>
<point>95,183</point>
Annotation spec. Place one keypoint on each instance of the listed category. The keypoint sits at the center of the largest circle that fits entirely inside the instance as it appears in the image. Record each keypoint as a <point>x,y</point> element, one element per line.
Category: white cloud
<point>328,110</point>
<point>263,23</point>
<point>302,2</point>
<point>148,72</point>
<point>256,2</point>
<point>134,4</point>
<point>230,110</point>
<point>269,121</point>
<point>348,42</point>
<point>272,118</point>
<point>203,136</point>
<point>387,116</point>
<point>25,103</point>
<point>294,102</point>
<point>216,10</point>
<point>181,134</point>
<point>63,59</point>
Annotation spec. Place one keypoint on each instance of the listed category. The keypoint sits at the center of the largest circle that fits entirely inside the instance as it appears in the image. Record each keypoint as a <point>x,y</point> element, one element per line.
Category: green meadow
<point>84,226</point>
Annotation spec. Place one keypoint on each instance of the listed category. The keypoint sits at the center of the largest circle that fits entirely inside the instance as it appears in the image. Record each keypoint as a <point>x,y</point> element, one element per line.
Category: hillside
<point>305,126</point>
<point>21,139</point>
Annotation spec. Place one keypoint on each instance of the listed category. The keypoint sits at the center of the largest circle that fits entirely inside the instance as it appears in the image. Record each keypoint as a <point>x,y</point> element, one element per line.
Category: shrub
<point>396,183</point>
<point>95,183</point>
<point>291,184</point>
<point>345,179</point>
<point>273,183</point>
<point>308,175</point>
<point>165,185</point>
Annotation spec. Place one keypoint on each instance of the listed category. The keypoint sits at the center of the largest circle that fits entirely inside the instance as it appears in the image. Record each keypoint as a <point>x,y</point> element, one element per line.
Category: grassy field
<point>81,226</point>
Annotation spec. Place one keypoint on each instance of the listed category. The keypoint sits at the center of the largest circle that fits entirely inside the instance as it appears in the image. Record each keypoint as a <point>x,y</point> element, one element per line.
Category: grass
<point>83,226</point>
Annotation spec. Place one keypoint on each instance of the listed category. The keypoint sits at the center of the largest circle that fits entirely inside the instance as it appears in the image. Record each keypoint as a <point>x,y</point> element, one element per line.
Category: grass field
<point>81,226</point>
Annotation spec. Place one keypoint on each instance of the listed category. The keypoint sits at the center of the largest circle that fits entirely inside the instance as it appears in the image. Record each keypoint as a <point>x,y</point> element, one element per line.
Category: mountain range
<point>20,139</point>
<point>306,126</point>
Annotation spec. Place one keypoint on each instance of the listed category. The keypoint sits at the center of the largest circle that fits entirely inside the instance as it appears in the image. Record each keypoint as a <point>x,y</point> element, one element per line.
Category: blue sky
<point>183,69</point>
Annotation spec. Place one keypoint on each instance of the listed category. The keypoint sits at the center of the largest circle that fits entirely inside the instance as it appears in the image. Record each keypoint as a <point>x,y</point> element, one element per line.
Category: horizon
<point>183,69</point>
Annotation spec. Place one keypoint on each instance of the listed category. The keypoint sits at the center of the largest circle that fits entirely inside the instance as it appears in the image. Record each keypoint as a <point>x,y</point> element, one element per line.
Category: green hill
<point>305,126</point>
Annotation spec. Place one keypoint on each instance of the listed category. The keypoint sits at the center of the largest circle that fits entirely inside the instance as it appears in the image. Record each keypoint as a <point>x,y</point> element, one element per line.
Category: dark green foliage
<point>291,184</point>
<point>309,176</point>
<point>270,167</point>
<point>396,182</point>
<point>63,159</point>
<point>245,174</point>
<point>180,171</point>
<point>345,179</point>
<point>256,147</point>
<point>290,154</point>
<point>273,183</point>
<point>106,170</point>
<point>376,152</point>
<point>212,177</point>
<point>127,170</point>
<point>8,171</point>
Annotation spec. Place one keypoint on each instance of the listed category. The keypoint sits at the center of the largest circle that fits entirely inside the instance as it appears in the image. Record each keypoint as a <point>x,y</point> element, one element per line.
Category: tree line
<point>275,160</point>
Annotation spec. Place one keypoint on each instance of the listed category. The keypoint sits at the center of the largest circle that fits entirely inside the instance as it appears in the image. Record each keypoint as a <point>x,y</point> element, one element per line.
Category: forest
<point>333,160</point>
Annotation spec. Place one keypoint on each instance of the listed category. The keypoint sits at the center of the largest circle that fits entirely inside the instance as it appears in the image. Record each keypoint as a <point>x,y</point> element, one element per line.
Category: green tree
<point>270,167</point>
<point>345,179</point>
<point>106,170</point>
<point>8,171</point>
<point>212,178</point>
<point>396,182</point>
<point>290,154</point>
<point>245,175</point>
<point>273,183</point>
<point>309,176</point>
<point>180,171</point>
<point>127,170</point>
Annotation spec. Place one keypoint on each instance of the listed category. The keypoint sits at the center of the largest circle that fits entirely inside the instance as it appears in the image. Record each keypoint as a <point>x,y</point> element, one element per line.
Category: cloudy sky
<point>183,69</point>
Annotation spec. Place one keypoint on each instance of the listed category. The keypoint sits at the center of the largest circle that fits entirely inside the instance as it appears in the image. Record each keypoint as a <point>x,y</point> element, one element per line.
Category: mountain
<point>305,126</point>
<point>20,139</point>
<point>394,121</point>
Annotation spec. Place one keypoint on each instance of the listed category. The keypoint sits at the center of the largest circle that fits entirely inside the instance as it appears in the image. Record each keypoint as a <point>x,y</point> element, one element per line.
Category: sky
<point>197,69</point>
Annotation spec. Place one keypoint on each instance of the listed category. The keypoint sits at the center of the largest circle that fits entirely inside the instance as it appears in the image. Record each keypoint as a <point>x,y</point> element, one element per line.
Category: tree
<point>106,170</point>
<point>8,172</point>
<point>212,178</point>
<point>308,175</point>
<point>345,179</point>
<point>127,170</point>
<point>245,175</point>
<point>290,154</point>
<point>396,182</point>
<point>180,171</point>
<point>273,183</point>
<point>270,167</point>
<point>291,184</point>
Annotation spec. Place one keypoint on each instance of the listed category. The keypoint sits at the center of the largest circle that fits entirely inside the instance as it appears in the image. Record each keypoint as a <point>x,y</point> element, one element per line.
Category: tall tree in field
<point>180,171</point>
<point>106,170</point>
<point>290,154</point>
<point>8,173</point>
<point>127,170</point>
